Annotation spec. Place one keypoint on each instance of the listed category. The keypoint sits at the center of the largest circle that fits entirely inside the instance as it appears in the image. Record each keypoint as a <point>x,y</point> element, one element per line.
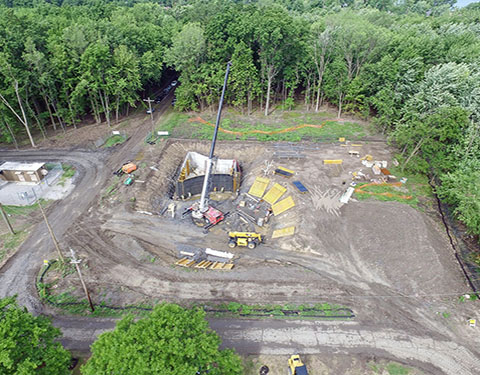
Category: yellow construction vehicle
<point>295,366</point>
<point>249,239</point>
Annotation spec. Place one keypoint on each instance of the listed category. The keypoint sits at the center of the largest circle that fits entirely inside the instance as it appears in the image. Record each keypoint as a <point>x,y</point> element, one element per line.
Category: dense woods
<point>413,67</point>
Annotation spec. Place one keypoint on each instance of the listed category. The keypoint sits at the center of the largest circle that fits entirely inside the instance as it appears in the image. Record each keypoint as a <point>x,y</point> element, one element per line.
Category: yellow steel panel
<point>228,266</point>
<point>259,187</point>
<point>288,231</point>
<point>274,193</point>
<point>341,139</point>
<point>332,161</point>
<point>283,205</point>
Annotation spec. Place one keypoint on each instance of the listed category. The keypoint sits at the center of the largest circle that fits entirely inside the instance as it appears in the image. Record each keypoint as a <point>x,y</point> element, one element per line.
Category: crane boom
<point>205,193</point>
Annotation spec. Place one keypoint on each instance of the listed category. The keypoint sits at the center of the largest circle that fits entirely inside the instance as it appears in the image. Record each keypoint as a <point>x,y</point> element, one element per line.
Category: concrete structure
<point>226,175</point>
<point>23,172</point>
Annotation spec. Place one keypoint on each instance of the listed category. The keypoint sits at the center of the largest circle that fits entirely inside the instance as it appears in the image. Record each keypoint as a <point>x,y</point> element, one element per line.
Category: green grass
<point>81,362</point>
<point>114,140</point>
<point>111,189</point>
<point>11,242</point>
<point>396,369</point>
<point>235,309</point>
<point>21,210</point>
<point>68,172</point>
<point>177,125</point>
<point>416,186</point>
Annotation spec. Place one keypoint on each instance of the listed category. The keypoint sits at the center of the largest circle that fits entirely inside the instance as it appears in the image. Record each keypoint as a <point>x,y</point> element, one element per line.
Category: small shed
<point>22,172</point>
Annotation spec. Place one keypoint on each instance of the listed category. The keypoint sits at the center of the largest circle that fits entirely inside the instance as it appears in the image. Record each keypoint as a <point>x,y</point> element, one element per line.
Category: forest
<point>410,67</point>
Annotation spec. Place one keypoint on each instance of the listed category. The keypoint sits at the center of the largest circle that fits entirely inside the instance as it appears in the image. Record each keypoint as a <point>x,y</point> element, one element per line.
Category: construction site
<point>317,241</point>
<point>212,222</point>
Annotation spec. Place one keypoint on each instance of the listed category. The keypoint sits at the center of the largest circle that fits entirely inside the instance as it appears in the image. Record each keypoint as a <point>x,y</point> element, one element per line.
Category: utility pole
<point>149,101</point>
<point>50,230</point>
<point>76,262</point>
<point>5,217</point>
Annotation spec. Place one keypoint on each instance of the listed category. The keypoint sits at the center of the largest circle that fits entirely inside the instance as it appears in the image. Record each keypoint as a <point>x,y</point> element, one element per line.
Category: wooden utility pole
<point>5,217</point>
<point>76,262</point>
<point>149,101</point>
<point>54,239</point>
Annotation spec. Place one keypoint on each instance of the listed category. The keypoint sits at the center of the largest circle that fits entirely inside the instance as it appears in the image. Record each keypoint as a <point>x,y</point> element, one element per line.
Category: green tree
<point>28,343</point>
<point>171,340</point>
<point>245,83</point>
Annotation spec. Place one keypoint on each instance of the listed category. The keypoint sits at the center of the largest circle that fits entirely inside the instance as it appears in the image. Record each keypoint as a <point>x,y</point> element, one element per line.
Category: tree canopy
<point>27,343</point>
<point>170,340</point>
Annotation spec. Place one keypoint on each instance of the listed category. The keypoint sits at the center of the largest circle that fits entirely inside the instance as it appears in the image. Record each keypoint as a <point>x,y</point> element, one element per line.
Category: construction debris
<point>347,195</point>
<point>367,157</point>
<point>219,254</point>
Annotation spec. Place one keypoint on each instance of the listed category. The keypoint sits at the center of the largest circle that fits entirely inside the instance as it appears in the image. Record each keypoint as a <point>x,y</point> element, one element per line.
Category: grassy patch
<point>288,311</point>
<point>416,186</point>
<point>20,210</point>
<point>68,170</point>
<point>11,242</point>
<point>397,369</point>
<point>114,140</point>
<point>179,126</point>
<point>111,189</point>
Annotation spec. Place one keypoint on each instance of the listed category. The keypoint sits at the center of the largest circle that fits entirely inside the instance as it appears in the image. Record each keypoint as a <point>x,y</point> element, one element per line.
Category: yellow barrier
<point>332,161</point>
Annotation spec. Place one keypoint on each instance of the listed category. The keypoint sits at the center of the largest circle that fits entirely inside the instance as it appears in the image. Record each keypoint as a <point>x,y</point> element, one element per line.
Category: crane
<point>203,213</point>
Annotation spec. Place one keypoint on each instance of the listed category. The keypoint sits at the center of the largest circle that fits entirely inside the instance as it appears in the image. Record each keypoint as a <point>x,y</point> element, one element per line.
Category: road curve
<point>18,274</point>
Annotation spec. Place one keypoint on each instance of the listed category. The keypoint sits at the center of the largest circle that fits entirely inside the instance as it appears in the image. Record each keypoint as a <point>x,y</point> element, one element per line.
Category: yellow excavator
<point>296,366</point>
<point>249,239</point>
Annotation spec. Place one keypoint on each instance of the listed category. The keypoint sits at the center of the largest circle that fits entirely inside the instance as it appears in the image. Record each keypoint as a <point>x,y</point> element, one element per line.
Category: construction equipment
<point>129,180</point>
<point>296,366</point>
<point>203,214</point>
<point>249,239</point>
<point>127,167</point>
